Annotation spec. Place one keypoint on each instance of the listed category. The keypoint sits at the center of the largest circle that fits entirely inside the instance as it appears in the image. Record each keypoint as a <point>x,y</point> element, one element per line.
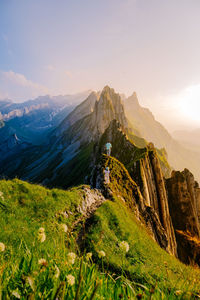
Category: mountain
<point>33,119</point>
<point>64,159</point>
<point>146,126</point>
<point>156,212</point>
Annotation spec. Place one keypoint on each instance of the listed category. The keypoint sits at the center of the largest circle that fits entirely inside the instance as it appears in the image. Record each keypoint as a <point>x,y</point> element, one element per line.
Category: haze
<point>61,47</point>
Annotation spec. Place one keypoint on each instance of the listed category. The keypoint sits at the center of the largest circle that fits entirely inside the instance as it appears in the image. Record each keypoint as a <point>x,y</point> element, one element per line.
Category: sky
<point>68,46</point>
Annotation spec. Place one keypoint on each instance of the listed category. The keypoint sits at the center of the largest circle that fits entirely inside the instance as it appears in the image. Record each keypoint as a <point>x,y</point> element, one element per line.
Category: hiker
<point>108,148</point>
<point>107,175</point>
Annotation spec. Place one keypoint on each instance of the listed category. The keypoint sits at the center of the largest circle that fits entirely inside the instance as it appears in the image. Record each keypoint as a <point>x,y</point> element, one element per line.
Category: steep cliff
<point>183,197</point>
<point>141,184</point>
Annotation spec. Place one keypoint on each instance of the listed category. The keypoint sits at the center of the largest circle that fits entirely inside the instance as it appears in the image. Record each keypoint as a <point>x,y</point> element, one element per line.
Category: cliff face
<point>184,197</point>
<point>108,108</point>
<point>143,167</point>
<point>151,180</point>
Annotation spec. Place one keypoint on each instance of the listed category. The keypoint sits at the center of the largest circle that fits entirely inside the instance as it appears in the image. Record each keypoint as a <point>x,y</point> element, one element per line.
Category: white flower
<point>88,256</point>
<point>124,246</point>
<point>16,294</point>
<point>42,237</point>
<point>42,261</point>
<point>2,247</point>
<point>64,227</point>
<point>101,254</point>
<point>1,195</point>
<point>71,258</point>
<point>70,279</point>
<point>41,230</point>
<point>31,282</point>
<point>57,272</point>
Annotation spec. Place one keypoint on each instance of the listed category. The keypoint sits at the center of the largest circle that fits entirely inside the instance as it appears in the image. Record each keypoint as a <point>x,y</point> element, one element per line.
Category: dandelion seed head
<point>71,258</point>
<point>42,237</point>
<point>88,256</point>
<point>124,246</point>
<point>2,247</point>
<point>41,230</point>
<point>42,262</point>
<point>64,227</point>
<point>57,272</point>
<point>16,294</point>
<point>101,254</point>
<point>70,279</point>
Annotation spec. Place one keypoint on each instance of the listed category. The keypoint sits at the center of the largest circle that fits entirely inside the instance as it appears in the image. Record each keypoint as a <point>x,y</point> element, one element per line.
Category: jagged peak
<point>133,99</point>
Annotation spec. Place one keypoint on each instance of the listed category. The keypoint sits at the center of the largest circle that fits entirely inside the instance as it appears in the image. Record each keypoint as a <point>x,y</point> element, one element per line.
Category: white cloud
<point>17,87</point>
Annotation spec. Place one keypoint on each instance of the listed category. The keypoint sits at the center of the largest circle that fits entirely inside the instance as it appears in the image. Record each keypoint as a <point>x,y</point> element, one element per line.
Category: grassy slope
<point>26,207</point>
<point>146,263</point>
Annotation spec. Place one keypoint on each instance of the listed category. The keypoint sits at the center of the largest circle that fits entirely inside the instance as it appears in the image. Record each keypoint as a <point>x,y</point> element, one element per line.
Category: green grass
<point>24,208</point>
<point>145,263</point>
<point>144,271</point>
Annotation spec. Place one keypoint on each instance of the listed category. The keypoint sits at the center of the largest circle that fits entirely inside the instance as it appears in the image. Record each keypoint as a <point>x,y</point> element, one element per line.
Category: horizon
<point>76,47</point>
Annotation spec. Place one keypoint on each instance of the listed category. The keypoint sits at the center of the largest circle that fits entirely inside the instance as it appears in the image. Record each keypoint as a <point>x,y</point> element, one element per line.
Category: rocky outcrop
<point>183,198</point>
<point>149,201</point>
<point>108,108</point>
<point>92,199</point>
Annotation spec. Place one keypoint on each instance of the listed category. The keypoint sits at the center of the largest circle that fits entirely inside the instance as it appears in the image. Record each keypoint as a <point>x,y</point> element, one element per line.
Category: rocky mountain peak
<point>133,101</point>
<point>108,108</point>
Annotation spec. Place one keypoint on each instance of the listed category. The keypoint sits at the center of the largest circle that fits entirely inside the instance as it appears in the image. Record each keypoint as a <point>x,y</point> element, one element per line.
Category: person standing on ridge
<point>107,175</point>
<point>108,148</point>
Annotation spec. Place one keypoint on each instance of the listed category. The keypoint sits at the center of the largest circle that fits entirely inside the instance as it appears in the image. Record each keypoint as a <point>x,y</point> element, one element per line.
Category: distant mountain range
<point>32,119</point>
<point>52,139</point>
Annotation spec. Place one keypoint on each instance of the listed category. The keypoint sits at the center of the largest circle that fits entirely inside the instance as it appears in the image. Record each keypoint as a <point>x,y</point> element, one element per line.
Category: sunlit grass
<point>117,260</point>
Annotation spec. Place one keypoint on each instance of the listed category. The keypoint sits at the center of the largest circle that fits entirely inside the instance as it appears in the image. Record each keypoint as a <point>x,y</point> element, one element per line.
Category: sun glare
<point>189,103</point>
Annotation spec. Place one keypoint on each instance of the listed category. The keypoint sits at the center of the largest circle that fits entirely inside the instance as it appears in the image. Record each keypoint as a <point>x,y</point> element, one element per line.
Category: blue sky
<point>67,46</point>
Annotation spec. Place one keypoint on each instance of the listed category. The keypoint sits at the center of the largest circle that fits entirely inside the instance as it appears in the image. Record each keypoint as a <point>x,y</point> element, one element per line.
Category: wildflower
<point>71,258</point>
<point>102,254</point>
<point>42,237</point>
<point>57,272</point>
<point>178,293</point>
<point>1,195</point>
<point>70,279</point>
<point>64,227</point>
<point>124,246</point>
<point>31,282</point>
<point>88,256</point>
<point>2,247</point>
<point>16,294</point>
<point>42,262</point>
<point>41,230</point>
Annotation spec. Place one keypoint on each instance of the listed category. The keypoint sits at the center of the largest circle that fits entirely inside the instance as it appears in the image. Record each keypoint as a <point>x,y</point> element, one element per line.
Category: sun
<point>189,103</point>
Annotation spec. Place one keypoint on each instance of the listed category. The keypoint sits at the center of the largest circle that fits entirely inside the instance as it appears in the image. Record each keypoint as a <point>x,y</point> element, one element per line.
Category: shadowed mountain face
<point>147,127</point>
<point>33,119</point>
